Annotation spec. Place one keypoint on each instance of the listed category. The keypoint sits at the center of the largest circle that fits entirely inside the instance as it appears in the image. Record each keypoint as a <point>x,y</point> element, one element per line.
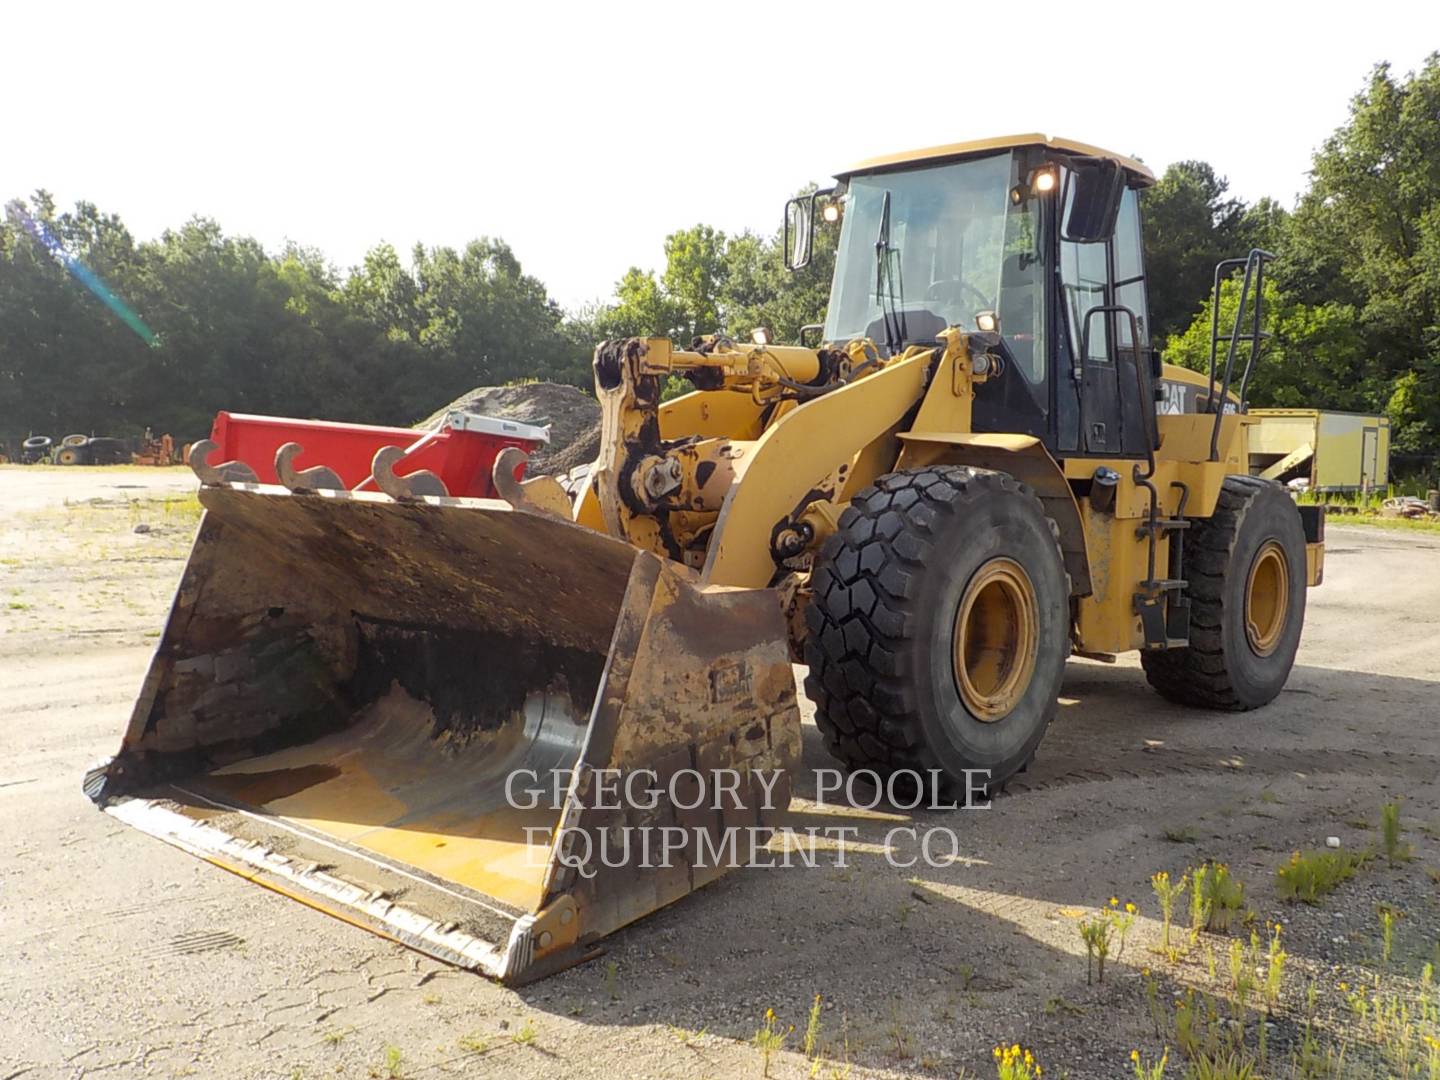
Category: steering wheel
<point>957,291</point>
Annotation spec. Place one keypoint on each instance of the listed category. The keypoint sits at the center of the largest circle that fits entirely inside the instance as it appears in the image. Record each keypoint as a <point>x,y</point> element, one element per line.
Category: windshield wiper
<point>889,283</point>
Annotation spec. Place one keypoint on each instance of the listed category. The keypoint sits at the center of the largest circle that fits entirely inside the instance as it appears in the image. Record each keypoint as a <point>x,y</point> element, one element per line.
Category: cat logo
<point>1173,397</point>
<point>1177,398</point>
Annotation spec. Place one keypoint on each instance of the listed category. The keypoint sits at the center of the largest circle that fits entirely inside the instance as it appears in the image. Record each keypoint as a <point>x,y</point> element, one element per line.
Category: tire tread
<point>862,619</point>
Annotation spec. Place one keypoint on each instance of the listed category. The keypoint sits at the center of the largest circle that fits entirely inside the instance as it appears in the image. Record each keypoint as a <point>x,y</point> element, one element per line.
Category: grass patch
<point>1308,876</point>
<point>1216,898</point>
<point>1378,522</point>
<point>1366,507</point>
<point>1395,850</point>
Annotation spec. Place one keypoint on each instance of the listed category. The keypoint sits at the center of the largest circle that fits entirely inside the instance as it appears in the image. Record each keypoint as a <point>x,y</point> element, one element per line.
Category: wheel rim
<point>1267,598</point>
<point>995,636</point>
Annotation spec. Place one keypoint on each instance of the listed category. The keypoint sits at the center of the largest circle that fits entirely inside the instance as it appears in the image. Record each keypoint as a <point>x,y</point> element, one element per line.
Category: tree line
<point>102,333</point>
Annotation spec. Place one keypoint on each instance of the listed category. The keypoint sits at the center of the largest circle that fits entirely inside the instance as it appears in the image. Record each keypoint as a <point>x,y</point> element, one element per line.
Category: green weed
<point>687,1038</point>
<point>1167,893</point>
<point>1275,958</point>
<point>1311,875</point>
<point>1108,928</point>
<point>1154,1070</point>
<point>1014,1062</point>
<point>1224,896</point>
<point>1387,931</point>
<point>811,1044</point>
<point>1230,1065</point>
<point>769,1038</point>
<point>1395,851</point>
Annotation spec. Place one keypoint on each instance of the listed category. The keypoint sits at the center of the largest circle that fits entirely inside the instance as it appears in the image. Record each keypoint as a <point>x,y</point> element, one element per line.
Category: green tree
<point>68,359</point>
<point>712,283</point>
<point>1315,356</point>
<point>642,308</point>
<point>1190,224</point>
<point>1367,233</point>
<point>694,278</point>
<point>98,333</point>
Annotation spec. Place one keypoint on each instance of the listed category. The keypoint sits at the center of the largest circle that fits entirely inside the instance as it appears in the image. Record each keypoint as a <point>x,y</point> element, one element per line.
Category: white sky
<point>583,134</point>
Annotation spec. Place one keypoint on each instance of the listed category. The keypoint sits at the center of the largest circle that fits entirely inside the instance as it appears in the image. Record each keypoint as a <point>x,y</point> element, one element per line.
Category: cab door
<point>1109,370</point>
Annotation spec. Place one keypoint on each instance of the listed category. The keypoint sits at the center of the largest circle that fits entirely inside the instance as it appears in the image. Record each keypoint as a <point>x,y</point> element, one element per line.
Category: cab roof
<point>1140,175</point>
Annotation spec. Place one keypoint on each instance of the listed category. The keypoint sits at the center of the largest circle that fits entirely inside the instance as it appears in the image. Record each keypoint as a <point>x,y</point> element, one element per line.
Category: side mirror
<point>799,231</point>
<point>1096,188</point>
<point>799,239</point>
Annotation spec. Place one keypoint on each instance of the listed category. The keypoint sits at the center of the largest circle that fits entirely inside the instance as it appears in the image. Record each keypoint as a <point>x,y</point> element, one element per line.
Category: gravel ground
<point>121,956</point>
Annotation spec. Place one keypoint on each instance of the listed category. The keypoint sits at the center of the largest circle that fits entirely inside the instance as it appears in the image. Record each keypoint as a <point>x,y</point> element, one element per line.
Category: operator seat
<point>922,327</point>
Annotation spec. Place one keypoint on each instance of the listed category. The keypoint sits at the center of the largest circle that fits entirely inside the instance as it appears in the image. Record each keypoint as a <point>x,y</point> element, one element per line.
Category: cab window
<point>1091,273</point>
<point>1129,270</point>
<point>1084,279</point>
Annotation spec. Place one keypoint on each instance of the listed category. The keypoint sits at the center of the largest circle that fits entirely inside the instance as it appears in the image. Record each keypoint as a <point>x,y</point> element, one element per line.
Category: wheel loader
<point>979,467</point>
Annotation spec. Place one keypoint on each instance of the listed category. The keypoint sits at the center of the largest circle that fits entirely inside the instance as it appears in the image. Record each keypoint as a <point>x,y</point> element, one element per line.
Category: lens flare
<point>83,274</point>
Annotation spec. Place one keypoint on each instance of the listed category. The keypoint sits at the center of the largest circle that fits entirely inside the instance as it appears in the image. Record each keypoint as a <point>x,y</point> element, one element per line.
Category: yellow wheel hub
<point>1267,598</point>
<point>996,636</point>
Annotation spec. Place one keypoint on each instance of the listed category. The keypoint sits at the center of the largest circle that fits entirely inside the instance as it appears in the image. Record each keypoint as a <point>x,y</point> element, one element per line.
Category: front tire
<point>939,626</point>
<point>1245,566</point>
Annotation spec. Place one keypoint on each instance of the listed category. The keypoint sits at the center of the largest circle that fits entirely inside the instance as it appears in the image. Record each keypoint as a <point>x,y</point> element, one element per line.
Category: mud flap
<point>418,715</point>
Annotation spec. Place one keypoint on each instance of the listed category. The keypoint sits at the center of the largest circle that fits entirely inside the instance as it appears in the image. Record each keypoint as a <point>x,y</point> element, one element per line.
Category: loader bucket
<point>404,712</point>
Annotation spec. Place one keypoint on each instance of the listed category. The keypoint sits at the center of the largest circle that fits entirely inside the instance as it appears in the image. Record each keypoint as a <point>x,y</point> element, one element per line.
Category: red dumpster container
<point>462,454</point>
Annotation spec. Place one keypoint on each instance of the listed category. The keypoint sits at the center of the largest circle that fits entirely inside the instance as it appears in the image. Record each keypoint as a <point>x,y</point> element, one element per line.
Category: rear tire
<point>938,628</point>
<point>1246,571</point>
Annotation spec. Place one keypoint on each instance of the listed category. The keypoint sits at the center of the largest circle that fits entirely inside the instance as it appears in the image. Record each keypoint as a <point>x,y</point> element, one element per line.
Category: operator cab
<point>1034,239</point>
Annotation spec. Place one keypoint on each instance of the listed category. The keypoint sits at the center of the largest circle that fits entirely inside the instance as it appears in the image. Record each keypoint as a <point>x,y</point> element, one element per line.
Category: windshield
<point>958,245</point>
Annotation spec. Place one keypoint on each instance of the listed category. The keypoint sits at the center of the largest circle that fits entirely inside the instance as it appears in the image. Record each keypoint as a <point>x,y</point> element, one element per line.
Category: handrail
<point>1254,264</point>
<point>1147,402</point>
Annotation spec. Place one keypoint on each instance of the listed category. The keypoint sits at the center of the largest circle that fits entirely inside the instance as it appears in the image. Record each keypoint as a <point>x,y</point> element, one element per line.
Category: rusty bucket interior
<point>379,706</point>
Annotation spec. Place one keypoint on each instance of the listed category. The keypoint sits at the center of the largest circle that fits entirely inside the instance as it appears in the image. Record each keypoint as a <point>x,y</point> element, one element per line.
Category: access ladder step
<point>1160,525</point>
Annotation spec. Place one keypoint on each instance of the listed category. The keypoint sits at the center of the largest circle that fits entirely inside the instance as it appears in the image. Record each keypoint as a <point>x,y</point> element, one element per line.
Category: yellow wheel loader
<point>497,729</point>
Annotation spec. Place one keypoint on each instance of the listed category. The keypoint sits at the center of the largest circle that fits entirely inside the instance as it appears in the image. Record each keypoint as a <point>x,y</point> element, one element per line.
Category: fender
<point>1025,458</point>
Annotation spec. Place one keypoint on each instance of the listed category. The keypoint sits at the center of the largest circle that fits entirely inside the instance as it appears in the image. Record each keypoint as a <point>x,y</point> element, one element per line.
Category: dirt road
<point>121,956</point>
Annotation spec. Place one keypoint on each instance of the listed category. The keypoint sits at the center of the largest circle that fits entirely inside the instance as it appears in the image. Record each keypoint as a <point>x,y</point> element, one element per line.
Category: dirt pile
<point>572,415</point>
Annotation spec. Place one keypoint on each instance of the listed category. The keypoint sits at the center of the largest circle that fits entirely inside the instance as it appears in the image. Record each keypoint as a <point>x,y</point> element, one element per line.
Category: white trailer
<point>1333,451</point>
